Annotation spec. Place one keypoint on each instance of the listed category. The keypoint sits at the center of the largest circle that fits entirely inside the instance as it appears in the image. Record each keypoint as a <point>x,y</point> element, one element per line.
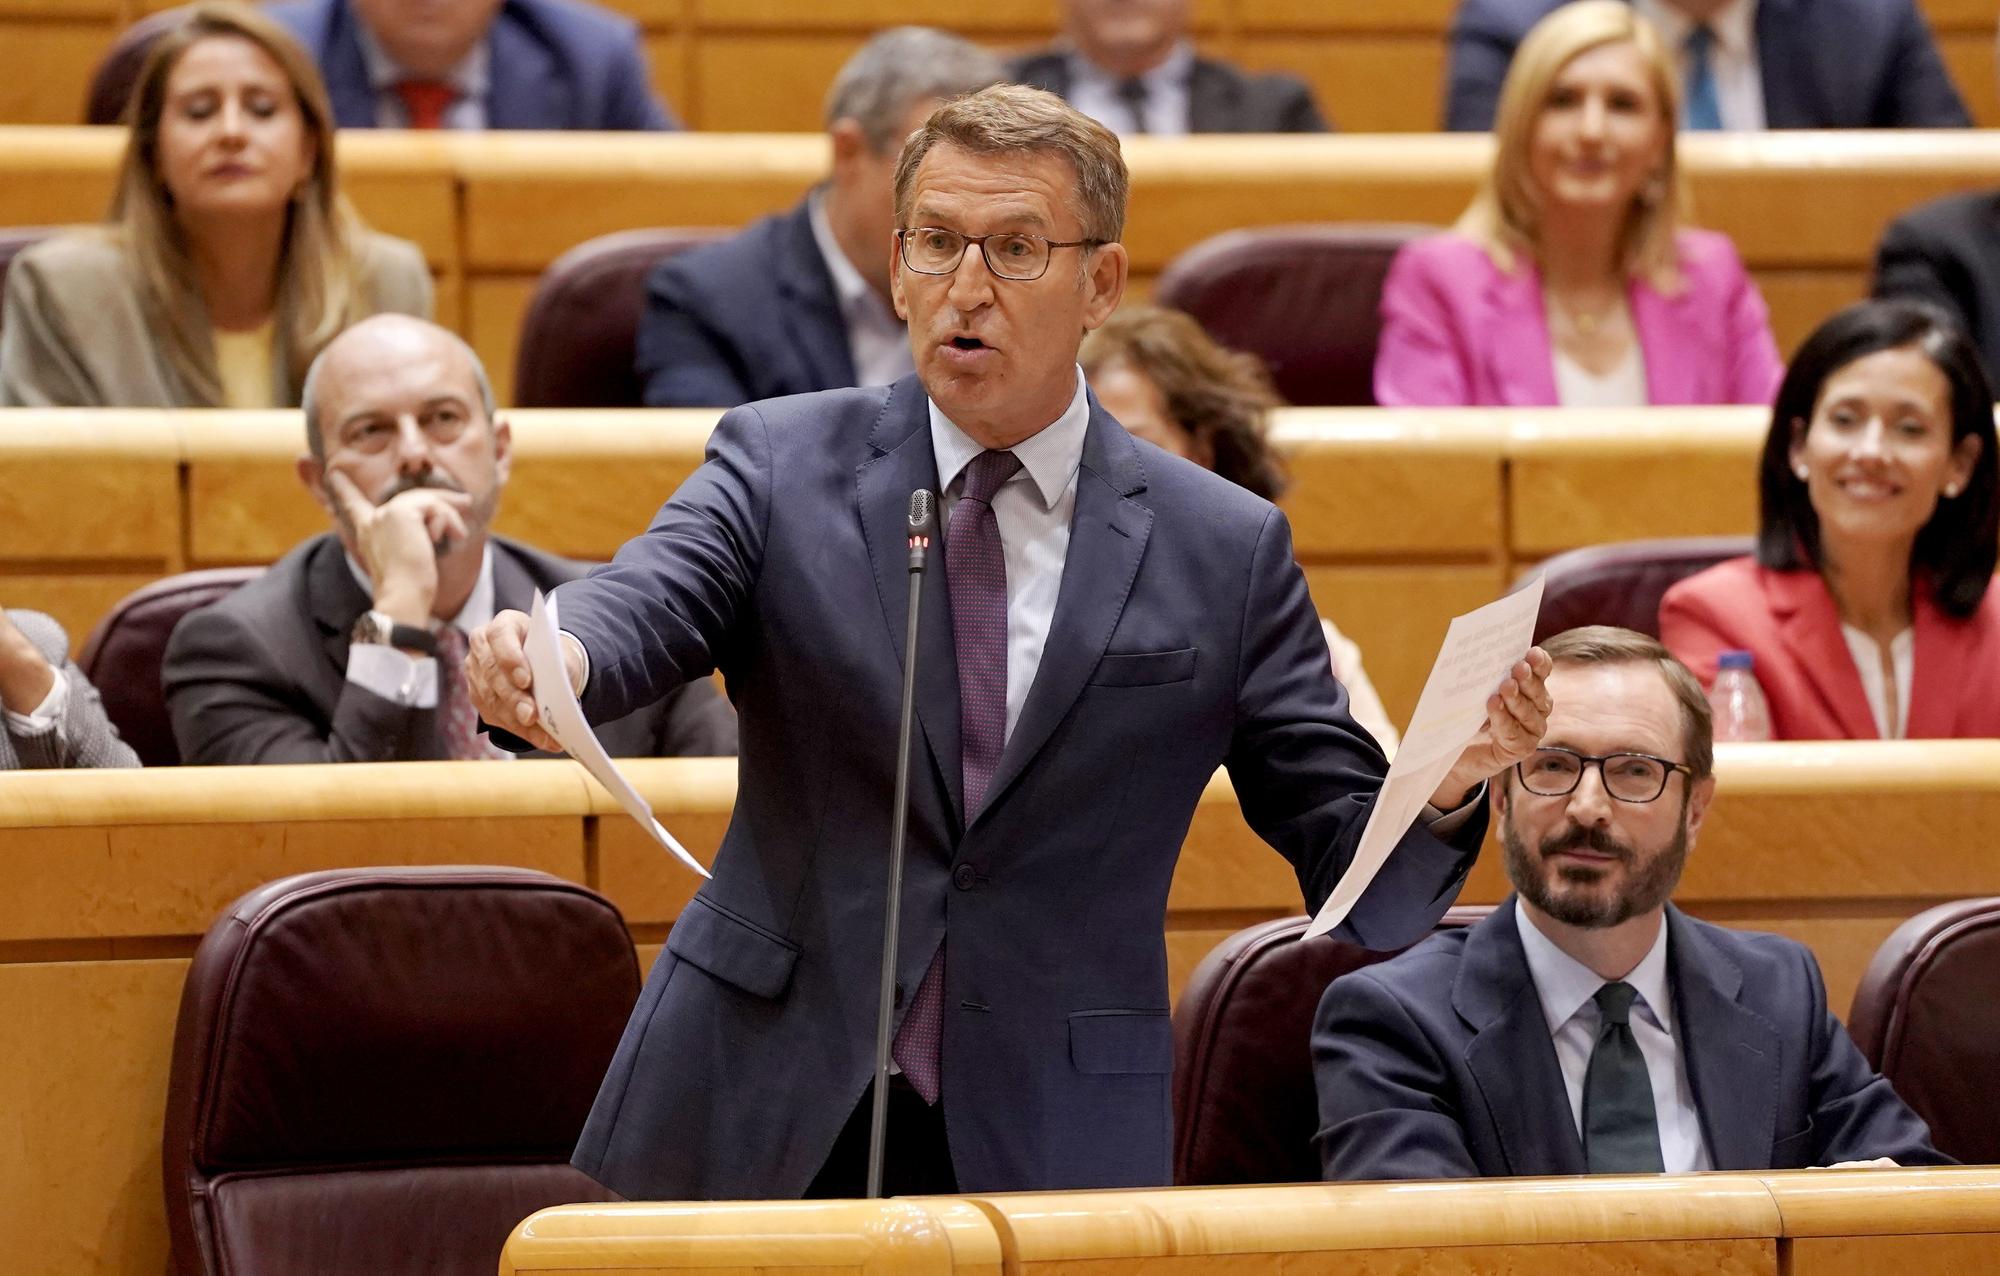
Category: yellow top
<point>243,361</point>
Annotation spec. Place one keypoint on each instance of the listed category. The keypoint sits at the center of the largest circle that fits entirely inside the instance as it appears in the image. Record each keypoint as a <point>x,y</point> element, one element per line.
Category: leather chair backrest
<point>1304,299</point>
<point>1622,584</point>
<point>13,239</point>
<point>384,1070</point>
<point>1245,1108</point>
<point>578,337</point>
<point>123,654</point>
<point>117,71</point>
<point>1927,1015</point>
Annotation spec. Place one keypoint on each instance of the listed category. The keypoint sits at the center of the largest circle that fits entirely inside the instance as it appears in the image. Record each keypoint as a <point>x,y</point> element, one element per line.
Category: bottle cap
<point>1735,660</point>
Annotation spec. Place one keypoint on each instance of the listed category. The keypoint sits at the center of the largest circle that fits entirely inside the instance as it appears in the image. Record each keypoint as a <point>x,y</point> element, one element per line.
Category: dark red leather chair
<point>1244,1106</point>
<point>1304,299</point>
<point>577,339</point>
<point>384,1070</point>
<point>117,71</point>
<point>123,654</point>
<point>1927,1015</point>
<point>1622,584</point>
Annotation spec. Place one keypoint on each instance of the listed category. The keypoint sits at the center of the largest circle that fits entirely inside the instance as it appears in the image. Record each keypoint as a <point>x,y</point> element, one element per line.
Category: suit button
<point>965,877</point>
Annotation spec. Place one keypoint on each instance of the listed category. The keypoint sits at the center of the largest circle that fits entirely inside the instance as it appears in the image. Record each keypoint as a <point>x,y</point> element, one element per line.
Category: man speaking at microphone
<point>1114,624</point>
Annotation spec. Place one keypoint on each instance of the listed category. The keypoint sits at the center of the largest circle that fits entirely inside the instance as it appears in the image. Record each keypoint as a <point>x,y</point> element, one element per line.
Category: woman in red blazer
<point>1867,607</point>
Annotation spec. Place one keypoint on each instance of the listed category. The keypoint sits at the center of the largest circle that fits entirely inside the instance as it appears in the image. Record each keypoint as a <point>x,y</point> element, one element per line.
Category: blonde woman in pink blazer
<point>1569,280</point>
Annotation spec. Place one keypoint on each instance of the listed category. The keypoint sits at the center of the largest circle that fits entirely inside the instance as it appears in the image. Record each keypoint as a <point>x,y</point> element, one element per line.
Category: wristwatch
<point>374,626</point>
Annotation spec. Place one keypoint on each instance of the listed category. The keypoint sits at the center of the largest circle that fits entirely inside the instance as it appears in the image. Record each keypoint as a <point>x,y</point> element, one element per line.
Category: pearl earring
<point>1950,490</point>
<point>1802,472</point>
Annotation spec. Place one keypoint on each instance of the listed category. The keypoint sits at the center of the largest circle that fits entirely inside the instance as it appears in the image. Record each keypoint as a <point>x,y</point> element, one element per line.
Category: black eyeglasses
<point>932,250</point>
<point>1629,777</point>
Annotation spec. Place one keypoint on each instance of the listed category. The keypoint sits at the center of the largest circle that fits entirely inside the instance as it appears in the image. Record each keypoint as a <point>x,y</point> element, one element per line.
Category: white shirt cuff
<point>1445,823</point>
<point>394,674</point>
<point>46,715</point>
<point>576,644</point>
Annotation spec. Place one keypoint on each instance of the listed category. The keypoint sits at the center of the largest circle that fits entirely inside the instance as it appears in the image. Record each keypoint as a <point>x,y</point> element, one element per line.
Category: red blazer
<point>1788,620</point>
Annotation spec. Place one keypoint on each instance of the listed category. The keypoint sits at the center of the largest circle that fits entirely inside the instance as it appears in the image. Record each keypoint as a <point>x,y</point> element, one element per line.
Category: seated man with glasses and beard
<point>1587,1025</point>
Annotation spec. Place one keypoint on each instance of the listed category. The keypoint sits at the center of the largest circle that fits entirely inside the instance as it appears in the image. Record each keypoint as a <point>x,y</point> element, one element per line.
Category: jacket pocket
<point>732,949</point>
<point>1144,668</point>
<point>1121,1041</point>
<point>1794,1151</point>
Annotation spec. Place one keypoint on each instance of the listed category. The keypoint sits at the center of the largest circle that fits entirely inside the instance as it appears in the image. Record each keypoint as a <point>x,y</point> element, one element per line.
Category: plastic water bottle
<point>1737,701</point>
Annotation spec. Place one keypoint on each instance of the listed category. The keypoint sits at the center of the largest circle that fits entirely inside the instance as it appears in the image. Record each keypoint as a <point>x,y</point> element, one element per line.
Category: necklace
<point>1584,323</point>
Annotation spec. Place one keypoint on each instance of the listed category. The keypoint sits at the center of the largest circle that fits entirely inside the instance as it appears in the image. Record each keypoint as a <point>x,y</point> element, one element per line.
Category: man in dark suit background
<point>1947,252</point>
<point>800,301</point>
<point>1106,624</point>
<point>1782,64</point>
<point>350,648</point>
<point>1128,64</point>
<point>477,64</point>
<point>1587,1025</point>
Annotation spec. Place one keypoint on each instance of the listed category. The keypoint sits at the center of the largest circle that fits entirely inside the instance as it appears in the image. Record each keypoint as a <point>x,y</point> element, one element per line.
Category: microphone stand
<point>923,524</point>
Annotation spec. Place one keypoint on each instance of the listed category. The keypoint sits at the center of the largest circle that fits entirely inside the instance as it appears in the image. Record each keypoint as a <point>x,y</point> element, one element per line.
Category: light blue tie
<point>1704,108</point>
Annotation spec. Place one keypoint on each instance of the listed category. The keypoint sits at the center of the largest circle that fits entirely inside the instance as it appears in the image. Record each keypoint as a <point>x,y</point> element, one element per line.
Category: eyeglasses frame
<point>1586,761</point>
<point>903,250</point>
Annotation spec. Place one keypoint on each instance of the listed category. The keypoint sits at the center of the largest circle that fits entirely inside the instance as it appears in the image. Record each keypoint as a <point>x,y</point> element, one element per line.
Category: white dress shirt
<point>1739,77</point>
<point>1868,663</point>
<point>1622,387</point>
<point>47,715</point>
<point>877,340</point>
<point>470,78</point>
<point>1094,91</point>
<point>395,674</point>
<point>1567,989</point>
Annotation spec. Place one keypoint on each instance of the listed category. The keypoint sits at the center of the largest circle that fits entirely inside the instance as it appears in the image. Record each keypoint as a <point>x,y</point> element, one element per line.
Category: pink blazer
<point>1457,332</point>
<point>1788,621</point>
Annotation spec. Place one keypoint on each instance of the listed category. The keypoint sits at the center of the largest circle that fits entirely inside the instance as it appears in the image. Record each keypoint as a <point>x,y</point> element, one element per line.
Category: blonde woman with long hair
<point>1570,279</point>
<point>230,257</point>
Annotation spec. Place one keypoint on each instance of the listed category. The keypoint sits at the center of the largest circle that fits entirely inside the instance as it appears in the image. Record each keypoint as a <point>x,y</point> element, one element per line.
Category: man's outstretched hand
<point>500,684</point>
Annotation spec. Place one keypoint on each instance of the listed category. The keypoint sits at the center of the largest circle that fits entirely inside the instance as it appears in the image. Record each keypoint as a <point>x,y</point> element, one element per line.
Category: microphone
<point>923,527</point>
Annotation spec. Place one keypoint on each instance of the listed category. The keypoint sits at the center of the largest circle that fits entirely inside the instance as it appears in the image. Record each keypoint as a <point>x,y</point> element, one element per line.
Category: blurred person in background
<point>1868,606</point>
<point>799,301</point>
<point>52,714</point>
<point>1129,65</point>
<point>231,258</point>
<point>1160,376</point>
<point>1745,64</point>
<point>478,64</point>
<point>1570,280</point>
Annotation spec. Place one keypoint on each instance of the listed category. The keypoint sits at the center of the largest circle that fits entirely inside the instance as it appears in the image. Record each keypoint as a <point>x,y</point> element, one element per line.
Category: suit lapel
<point>1731,1052</point>
<point>1809,624</point>
<point>1782,54</point>
<point>1943,649</point>
<point>523,89</point>
<point>1511,1056</point>
<point>901,461</point>
<point>1106,541</point>
<point>1212,100</point>
<point>336,599</point>
<point>818,330</point>
<point>346,71</point>
<point>1662,328</point>
<point>1521,360</point>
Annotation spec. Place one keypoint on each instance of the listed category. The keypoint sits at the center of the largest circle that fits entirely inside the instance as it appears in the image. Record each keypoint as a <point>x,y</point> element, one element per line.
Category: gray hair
<point>899,68</point>
<point>309,390</point>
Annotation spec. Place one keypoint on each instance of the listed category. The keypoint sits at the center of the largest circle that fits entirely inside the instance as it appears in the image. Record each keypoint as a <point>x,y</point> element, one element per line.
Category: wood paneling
<point>1398,643</point>
<point>47,64</point>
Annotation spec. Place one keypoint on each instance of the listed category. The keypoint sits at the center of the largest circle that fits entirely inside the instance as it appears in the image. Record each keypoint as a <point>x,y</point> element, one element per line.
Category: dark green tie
<point>1621,1132</point>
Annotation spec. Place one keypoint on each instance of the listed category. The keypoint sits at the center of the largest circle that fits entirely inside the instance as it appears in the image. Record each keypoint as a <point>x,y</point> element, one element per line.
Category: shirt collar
<point>1050,456</point>
<point>1565,985</point>
<point>469,77</point>
<point>1172,71</point>
<point>1734,24</point>
<point>478,607</point>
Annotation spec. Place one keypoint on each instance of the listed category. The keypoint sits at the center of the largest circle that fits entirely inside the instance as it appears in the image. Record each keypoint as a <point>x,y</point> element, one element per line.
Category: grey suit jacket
<point>1221,98</point>
<point>1183,638</point>
<point>75,333</point>
<point>262,675</point>
<point>1439,1064</point>
<point>84,737</point>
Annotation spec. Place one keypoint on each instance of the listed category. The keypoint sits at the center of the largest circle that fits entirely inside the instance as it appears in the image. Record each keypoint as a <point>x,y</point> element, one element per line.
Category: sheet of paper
<point>562,717</point>
<point>1479,649</point>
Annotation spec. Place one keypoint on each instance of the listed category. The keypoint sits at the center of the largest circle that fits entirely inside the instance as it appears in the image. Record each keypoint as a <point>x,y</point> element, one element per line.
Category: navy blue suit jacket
<point>1825,64</point>
<point>1183,638</point>
<point>1221,98</point>
<point>1439,1064</point>
<point>555,64</point>
<point>752,317</point>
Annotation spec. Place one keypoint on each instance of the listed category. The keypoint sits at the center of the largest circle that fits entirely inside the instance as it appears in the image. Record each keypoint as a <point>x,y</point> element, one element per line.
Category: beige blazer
<point>73,332</point>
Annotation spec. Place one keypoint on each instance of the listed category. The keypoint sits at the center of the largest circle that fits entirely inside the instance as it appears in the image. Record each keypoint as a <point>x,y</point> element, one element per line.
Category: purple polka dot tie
<point>976,573</point>
<point>458,721</point>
